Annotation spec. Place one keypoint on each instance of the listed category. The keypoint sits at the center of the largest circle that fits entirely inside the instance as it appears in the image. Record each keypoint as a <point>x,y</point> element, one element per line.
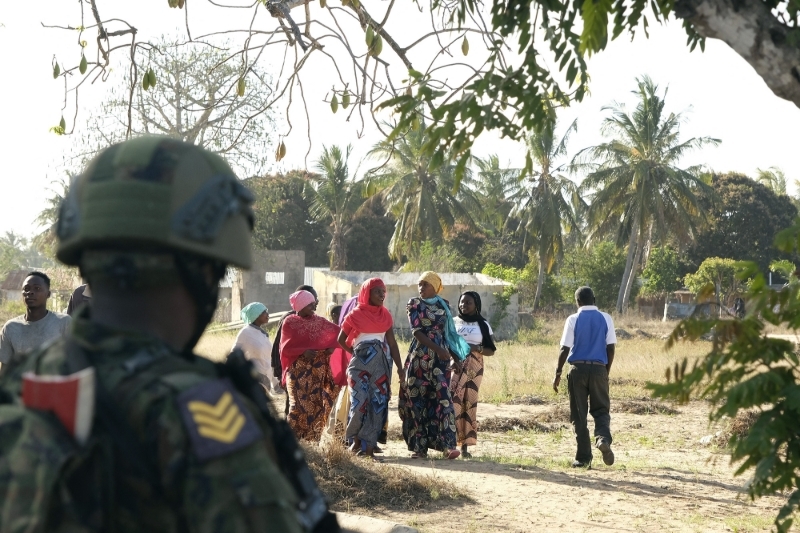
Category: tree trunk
<point>632,277</point>
<point>750,28</point>
<point>338,252</point>
<point>628,265</point>
<point>539,284</point>
<point>648,245</point>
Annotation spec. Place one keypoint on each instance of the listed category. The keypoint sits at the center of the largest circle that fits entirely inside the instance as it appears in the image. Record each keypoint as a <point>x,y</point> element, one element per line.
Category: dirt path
<point>520,481</point>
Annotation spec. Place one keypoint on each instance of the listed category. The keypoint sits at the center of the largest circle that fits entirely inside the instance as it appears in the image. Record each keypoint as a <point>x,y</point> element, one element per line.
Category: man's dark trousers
<point>588,394</point>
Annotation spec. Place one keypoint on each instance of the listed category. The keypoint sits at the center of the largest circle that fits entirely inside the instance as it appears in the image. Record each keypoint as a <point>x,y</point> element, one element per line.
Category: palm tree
<point>773,178</point>
<point>45,241</point>
<point>334,198</point>
<point>545,201</point>
<point>495,186</point>
<point>421,195</point>
<point>638,192</point>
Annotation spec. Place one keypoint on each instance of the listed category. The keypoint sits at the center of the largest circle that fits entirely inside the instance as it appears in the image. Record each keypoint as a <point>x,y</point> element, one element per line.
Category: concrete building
<point>11,287</point>
<point>274,276</point>
<point>336,287</point>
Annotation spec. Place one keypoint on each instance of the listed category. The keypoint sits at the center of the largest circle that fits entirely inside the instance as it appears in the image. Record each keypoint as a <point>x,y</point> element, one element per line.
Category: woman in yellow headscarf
<point>426,406</point>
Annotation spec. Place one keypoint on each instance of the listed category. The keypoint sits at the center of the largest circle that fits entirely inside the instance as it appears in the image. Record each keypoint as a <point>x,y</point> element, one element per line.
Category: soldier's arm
<point>220,464</point>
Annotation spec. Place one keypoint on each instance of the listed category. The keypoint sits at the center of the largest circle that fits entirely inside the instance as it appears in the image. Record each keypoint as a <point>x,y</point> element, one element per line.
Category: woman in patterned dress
<point>307,341</point>
<point>466,381</point>
<point>426,406</point>
<point>367,334</point>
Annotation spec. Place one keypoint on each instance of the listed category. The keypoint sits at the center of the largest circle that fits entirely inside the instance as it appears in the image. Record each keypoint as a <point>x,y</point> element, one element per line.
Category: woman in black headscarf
<point>466,380</point>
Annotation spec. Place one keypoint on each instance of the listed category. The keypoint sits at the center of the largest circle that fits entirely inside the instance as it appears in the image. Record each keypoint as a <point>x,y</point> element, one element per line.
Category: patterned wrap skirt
<point>368,377</point>
<point>426,406</point>
<point>312,393</point>
<point>464,388</point>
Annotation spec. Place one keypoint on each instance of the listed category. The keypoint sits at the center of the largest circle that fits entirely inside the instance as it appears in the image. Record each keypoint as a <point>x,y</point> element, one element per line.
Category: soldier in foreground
<point>175,442</point>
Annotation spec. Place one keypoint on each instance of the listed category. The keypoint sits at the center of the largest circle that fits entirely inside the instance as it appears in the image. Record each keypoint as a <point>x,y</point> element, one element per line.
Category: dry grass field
<point>520,480</point>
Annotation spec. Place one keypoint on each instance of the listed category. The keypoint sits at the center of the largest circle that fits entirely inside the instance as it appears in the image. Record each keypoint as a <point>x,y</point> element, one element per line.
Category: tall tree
<point>545,200</point>
<point>334,198</point>
<point>743,223</point>
<point>419,192</point>
<point>773,178</point>
<point>45,241</point>
<point>495,185</point>
<point>367,241</point>
<point>283,220</point>
<point>195,99</point>
<point>638,192</point>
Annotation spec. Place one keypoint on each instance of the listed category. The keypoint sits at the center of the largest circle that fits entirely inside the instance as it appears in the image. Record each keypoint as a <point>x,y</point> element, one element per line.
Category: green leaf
<point>595,25</point>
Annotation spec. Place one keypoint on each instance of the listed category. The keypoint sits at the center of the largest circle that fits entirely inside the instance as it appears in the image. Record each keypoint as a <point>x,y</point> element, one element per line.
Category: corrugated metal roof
<point>13,281</point>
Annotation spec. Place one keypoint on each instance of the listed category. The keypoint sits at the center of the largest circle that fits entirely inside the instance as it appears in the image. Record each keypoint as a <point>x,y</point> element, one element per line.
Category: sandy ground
<point>521,481</point>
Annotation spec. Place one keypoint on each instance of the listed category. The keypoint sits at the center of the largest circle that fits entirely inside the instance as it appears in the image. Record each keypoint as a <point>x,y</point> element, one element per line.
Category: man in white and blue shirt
<point>588,346</point>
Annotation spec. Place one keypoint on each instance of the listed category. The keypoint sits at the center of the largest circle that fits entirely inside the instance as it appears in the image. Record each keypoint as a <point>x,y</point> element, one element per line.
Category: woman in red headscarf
<point>367,333</point>
<point>307,341</point>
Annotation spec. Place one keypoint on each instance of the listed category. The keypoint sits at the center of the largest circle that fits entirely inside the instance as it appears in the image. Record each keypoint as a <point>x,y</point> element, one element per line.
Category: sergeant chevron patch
<point>217,422</point>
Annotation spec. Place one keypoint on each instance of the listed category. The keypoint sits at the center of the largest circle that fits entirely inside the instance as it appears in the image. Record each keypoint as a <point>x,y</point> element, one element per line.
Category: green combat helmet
<point>145,213</point>
<point>158,193</point>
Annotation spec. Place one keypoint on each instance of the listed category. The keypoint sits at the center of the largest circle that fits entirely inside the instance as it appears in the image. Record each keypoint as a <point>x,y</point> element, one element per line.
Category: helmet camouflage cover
<point>158,193</point>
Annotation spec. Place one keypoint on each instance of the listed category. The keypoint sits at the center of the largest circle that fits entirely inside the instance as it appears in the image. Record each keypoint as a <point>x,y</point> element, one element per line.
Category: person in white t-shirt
<point>23,334</point>
<point>255,344</point>
<point>466,380</point>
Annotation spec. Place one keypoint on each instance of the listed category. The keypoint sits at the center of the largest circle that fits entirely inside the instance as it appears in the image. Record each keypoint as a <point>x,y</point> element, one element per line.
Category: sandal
<point>416,455</point>
<point>466,455</point>
<point>452,454</point>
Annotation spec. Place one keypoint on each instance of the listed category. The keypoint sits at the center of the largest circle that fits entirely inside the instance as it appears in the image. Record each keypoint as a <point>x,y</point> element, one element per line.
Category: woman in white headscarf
<point>255,344</point>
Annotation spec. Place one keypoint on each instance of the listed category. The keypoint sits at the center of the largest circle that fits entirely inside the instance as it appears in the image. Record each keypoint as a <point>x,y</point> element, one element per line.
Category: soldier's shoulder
<point>188,396</point>
<point>217,419</point>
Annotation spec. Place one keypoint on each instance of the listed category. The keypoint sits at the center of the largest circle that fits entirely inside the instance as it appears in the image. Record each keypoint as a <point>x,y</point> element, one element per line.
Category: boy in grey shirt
<point>23,334</point>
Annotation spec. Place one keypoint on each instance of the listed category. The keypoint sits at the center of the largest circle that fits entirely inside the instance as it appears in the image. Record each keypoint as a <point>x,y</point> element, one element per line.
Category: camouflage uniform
<point>175,445</point>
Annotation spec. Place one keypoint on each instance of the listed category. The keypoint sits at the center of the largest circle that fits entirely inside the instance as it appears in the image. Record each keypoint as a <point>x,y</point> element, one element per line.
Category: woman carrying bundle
<point>465,382</point>
<point>426,406</point>
<point>307,341</point>
<point>367,333</point>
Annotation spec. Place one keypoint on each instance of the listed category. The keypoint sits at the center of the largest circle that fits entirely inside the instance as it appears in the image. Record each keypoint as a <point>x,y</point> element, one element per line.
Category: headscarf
<point>432,278</point>
<point>367,318</point>
<point>487,341</point>
<point>455,342</point>
<point>300,299</point>
<point>252,311</point>
<point>299,334</point>
<point>340,358</point>
<point>347,308</point>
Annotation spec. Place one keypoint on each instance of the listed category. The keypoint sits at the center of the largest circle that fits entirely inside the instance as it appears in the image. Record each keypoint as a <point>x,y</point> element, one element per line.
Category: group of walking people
<point>351,356</point>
